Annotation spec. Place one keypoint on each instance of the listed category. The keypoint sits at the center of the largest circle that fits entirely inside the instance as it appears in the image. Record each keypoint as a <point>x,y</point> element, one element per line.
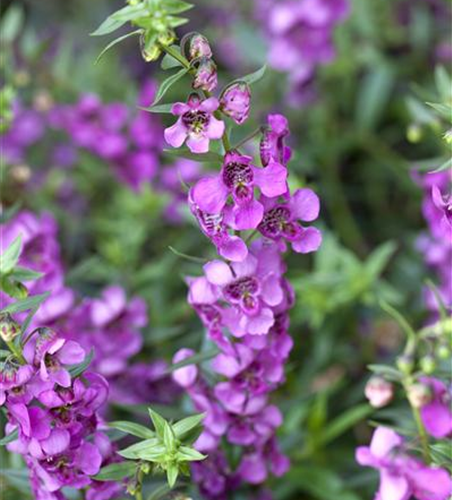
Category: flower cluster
<point>55,414</point>
<point>437,245</point>
<point>300,36</point>
<point>243,300</point>
<point>110,324</point>
<point>402,476</point>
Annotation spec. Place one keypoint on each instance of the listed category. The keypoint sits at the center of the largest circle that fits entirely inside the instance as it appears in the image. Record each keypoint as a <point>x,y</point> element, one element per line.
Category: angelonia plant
<point>247,211</point>
<point>414,460</point>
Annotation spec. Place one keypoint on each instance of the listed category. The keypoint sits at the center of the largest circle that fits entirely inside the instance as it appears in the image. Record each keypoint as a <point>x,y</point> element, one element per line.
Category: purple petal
<point>431,484</point>
<point>252,469</point>
<point>201,292</point>
<point>261,323</point>
<point>248,215</point>
<point>56,443</point>
<point>215,128</point>
<point>179,108</point>
<point>272,292</point>
<point>210,194</point>
<point>272,179</point>
<point>88,459</point>
<point>393,487</point>
<point>310,240</point>
<point>437,419</point>
<point>234,249</point>
<point>176,134</point>
<point>218,272</point>
<point>383,441</point>
<point>210,105</point>
<point>71,353</point>
<point>185,376</point>
<point>305,205</point>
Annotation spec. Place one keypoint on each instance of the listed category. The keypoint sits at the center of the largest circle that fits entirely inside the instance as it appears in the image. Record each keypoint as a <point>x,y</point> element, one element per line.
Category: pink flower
<point>238,178</point>
<point>401,476</point>
<point>437,415</point>
<point>196,124</point>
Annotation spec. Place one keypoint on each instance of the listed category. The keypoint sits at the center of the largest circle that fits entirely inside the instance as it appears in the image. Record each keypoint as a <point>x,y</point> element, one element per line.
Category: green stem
<point>247,138</point>
<point>422,434</point>
<point>16,351</point>
<point>139,490</point>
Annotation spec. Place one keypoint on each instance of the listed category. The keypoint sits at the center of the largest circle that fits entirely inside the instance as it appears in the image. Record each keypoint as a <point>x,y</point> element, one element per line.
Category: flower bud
<point>414,133</point>
<point>443,352</point>
<point>198,46</point>
<point>206,76</point>
<point>405,364</point>
<point>235,101</point>
<point>379,392</point>
<point>9,329</point>
<point>419,395</point>
<point>428,364</point>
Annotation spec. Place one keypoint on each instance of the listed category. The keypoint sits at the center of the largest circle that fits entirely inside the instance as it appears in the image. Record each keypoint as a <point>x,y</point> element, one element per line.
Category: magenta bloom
<point>196,124</point>
<point>401,476</point>
<point>280,220</point>
<point>444,206</point>
<point>437,414</point>
<point>15,377</point>
<point>238,178</point>
<point>52,354</point>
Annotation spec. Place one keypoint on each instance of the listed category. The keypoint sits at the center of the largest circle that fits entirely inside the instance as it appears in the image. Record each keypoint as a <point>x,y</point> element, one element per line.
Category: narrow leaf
<point>253,77</point>
<point>108,26</point>
<point>201,157</point>
<point>162,108</point>
<point>177,6</point>
<point>169,61</point>
<point>9,258</point>
<point>171,474</point>
<point>194,360</point>
<point>135,450</point>
<point>185,425</point>
<point>114,42</point>
<point>159,422</point>
<point>23,274</point>
<point>133,429</point>
<point>189,454</point>
<point>9,438</point>
<point>116,472</point>
<point>31,302</point>
<point>403,323</point>
<point>167,84</point>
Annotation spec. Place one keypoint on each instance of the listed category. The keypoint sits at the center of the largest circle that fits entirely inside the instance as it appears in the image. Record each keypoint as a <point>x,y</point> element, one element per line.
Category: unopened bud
<point>443,352</point>
<point>428,364</point>
<point>198,46</point>
<point>419,395</point>
<point>405,364</point>
<point>235,101</point>
<point>379,392</point>
<point>206,76</point>
<point>9,329</point>
<point>448,136</point>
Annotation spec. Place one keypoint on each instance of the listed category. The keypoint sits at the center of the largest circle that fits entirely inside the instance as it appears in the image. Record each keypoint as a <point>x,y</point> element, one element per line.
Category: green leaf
<point>177,6</point>
<point>403,323</point>
<point>201,157</point>
<point>133,429</point>
<point>175,22</point>
<point>345,421</point>
<point>9,438</point>
<point>11,24</point>
<point>162,108</point>
<point>167,84</point>
<point>169,61</point>
<point>387,371</point>
<point>443,83</point>
<point>22,274</point>
<point>10,256</point>
<point>187,454</point>
<point>32,302</point>
<point>445,110</point>
<point>108,26</point>
<point>159,423</point>
<point>116,472</point>
<point>77,370</point>
<point>172,472</point>
<point>169,439</point>
<point>253,77</point>
<point>136,450</point>
<point>194,360</point>
<point>130,12</point>
<point>379,259</point>
<point>184,426</point>
<point>118,40</point>
<point>4,353</point>
<point>444,166</point>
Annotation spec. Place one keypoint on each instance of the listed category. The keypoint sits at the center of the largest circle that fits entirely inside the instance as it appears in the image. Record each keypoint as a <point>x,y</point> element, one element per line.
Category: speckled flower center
<point>237,175</point>
<point>196,121</point>
<point>211,223</point>
<point>275,221</point>
<point>242,289</point>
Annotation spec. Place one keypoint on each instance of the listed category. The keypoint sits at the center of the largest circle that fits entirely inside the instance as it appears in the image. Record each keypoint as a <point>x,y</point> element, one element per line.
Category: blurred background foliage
<point>356,143</point>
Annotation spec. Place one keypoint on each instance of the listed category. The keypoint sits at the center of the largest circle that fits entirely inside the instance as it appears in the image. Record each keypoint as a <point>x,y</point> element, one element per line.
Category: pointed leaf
<point>136,450</point>
<point>168,61</point>
<point>9,438</point>
<point>159,423</point>
<point>133,429</point>
<point>167,84</point>
<point>200,157</point>
<point>189,454</point>
<point>253,77</point>
<point>171,474</point>
<point>25,304</point>
<point>9,258</point>
<point>116,471</point>
<point>23,274</point>
<point>77,370</point>
<point>162,108</point>
<point>177,6</point>
<point>114,42</point>
<point>108,26</point>
<point>185,425</point>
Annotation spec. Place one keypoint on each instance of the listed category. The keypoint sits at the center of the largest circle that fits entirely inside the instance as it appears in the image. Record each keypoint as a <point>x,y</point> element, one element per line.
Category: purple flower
<point>235,101</point>
<point>272,145</point>
<point>15,377</point>
<point>196,124</point>
<point>198,46</point>
<point>437,415</point>
<point>238,178</point>
<point>444,206</point>
<point>402,476</point>
<point>280,220</point>
<point>229,246</point>
<point>185,376</point>
<point>52,354</point>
